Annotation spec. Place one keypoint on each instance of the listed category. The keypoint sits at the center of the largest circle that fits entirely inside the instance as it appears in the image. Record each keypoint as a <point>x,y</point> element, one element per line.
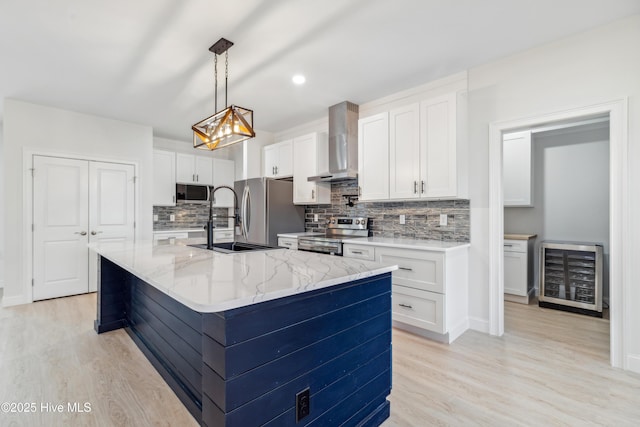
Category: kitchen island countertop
<point>208,281</point>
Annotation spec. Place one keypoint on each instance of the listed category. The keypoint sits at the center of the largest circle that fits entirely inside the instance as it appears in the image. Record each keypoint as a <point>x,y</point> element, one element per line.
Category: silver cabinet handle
<point>405,268</point>
<point>415,187</point>
<point>173,198</point>
<point>422,186</point>
<point>357,252</point>
<point>93,233</point>
<point>508,245</point>
<point>193,177</point>
<point>405,305</point>
<point>276,170</point>
<point>197,178</point>
<point>82,233</point>
<point>313,194</point>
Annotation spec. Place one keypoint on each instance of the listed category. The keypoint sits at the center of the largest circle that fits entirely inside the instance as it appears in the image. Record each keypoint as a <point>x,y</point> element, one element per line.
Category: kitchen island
<point>273,337</point>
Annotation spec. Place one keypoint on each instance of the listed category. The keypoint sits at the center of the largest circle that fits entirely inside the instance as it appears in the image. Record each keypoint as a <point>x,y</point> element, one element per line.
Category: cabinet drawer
<point>164,235</point>
<point>288,243</point>
<point>223,236</point>
<point>422,270</point>
<point>358,251</point>
<point>418,308</point>
<point>515,245</point>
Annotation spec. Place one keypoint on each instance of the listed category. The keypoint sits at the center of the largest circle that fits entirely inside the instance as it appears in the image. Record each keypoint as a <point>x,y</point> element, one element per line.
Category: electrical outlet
<point>155,218</point>
<point>172,217</point>
<point>402,220</point>
<point>302,404</point>
<point>443,219</point>
<point>315,217</point>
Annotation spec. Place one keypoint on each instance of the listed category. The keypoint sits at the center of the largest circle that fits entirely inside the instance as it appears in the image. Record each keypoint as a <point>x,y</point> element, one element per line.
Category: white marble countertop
<point>300,234</point>
<point>208,281</point>
<point>417,244</point>
<point>186,230</point>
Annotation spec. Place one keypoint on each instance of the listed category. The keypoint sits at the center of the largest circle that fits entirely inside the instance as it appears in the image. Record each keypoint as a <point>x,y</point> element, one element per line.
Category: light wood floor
<point>550,368</point>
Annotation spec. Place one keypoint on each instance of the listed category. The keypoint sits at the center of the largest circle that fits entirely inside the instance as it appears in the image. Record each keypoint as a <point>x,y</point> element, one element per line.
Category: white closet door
<point>77,202</point>
<point>111,202</point>
<point>61,229</point>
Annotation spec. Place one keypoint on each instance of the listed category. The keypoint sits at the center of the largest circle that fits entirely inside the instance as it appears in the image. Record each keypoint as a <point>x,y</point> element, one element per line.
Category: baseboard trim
<point>633,363</point>
<point>478,324</point>
<point>17,300</point>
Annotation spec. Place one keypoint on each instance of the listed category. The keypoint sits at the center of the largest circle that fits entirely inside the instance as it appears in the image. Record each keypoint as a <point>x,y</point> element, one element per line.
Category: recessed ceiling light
<point>299,79</point>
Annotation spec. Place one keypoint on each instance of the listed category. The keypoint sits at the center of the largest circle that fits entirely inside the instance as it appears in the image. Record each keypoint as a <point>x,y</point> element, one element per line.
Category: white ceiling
<point>147,61</point>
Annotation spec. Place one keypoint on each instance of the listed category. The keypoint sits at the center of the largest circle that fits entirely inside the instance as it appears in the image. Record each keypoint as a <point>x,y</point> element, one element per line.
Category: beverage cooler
<point>571,277</point>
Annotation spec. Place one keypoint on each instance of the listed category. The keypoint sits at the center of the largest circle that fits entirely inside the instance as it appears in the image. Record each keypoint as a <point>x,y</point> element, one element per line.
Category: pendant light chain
<point>215,78</point>
<point>226,76</point>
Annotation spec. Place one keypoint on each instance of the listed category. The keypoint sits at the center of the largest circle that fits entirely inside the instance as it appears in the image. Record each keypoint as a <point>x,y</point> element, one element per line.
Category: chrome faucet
<point>236,216</point>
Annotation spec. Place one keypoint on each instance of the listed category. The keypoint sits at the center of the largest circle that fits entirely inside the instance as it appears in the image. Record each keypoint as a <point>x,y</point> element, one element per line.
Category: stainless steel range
<point>338,229</point>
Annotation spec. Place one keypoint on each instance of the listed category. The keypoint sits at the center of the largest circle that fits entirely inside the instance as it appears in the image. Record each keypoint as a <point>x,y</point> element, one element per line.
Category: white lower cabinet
<point>518,269</point>
<point>288,242</point>
<point>221,236</point>
<point>430,287</point>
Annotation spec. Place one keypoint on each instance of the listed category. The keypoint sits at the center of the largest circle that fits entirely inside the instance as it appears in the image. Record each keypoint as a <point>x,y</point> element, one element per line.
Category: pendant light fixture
<point>228,126</point>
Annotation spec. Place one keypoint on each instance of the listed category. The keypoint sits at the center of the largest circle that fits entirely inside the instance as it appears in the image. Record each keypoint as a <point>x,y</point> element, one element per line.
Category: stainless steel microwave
<point>192,193</point>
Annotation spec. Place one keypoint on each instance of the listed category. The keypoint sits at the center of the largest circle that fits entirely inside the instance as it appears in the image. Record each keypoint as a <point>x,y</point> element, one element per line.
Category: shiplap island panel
<point>295,320</point>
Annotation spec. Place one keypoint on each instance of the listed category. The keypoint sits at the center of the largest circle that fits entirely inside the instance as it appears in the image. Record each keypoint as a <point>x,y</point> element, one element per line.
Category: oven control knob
<point>333,221</point>
<point>357,222</point>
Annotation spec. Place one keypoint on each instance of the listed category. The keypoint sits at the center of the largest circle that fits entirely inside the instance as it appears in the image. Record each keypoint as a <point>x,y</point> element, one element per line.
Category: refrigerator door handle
<point>247,215</point>
<point>244,211</point>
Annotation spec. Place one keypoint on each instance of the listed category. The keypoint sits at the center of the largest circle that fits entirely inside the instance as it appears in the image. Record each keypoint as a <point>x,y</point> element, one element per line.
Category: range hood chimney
<point>343,143</point>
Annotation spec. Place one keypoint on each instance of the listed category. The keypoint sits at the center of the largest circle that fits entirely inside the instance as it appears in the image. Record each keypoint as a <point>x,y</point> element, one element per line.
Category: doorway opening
<point>618,211</point>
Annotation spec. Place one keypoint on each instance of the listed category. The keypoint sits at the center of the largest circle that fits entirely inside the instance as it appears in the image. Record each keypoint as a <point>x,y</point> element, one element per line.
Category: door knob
<point>93,233</point>
<point>82,233</point>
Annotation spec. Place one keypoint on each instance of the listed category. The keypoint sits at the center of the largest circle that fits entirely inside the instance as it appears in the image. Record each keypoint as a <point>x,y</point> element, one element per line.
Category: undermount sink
<point>232,247</point>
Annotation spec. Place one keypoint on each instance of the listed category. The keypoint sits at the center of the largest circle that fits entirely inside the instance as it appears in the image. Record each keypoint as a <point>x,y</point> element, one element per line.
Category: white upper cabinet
<point>373,157</point>
<point>415,151</point>
<point>278,159</point>
<point>192,169</point>
<point>164,178</point>
<point>305,164</point>
<point>440,165</point>
<point>224,172</point>
<point>517,169</point>
<point>404,152</point>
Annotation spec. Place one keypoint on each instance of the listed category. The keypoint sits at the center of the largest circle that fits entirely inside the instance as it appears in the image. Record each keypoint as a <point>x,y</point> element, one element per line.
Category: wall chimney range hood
<point>343,143</point>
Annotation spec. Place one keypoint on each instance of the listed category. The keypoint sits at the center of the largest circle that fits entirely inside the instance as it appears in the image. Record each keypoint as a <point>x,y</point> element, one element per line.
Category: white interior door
<point>61,227</point>
<point>77,202</point>
<point>111,201</point>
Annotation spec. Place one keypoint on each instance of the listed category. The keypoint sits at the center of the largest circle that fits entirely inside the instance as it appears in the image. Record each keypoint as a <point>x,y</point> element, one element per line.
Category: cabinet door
<point>285,159</point>
<point>185,168</point>
<point>515,273</point>
<point>305,149</point>
<point>373,157</point>
<point>516,164</point>
<point>304,166</point>
<point>204,170</point>
<point>404,152</point>
<point>164,178</point>
<point>223,174</point>
<point>438,162</point>
<point>270,160</point>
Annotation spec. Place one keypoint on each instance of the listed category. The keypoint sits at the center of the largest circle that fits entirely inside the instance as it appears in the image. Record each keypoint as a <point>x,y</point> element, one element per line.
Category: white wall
<point>600,65</point>
<point>51,130</point>
<point>2,245</point>
<point>571,190</point>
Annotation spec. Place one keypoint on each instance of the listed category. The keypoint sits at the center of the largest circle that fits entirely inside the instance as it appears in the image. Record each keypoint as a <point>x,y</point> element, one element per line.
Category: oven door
<point>320,245</point>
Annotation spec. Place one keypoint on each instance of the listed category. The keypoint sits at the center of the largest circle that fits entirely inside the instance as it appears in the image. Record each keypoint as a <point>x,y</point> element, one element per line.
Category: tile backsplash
<point>422,218</point>
<point>188,215</point>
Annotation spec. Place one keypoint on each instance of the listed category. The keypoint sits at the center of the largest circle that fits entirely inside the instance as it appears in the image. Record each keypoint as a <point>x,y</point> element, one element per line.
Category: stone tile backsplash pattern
<point>422,218</point>
<point>188,215</point>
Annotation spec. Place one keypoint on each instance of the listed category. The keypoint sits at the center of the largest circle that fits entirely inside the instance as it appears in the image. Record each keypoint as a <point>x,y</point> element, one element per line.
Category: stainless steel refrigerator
<point>267,209</point>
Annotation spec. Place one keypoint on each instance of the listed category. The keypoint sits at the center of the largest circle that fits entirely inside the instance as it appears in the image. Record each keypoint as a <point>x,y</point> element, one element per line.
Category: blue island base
<point>247,366</point>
